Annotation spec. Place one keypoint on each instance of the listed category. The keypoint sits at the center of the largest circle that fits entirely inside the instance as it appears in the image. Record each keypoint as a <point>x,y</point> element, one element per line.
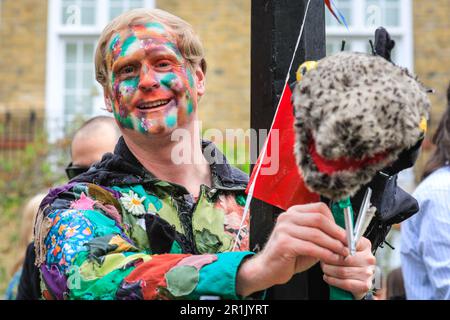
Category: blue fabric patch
<point>67,236</point>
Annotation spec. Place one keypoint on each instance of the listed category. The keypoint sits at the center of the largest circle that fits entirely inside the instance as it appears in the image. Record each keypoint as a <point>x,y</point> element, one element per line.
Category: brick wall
<point>432,56</point>
<point>224,28</point>
<point>23,34</point>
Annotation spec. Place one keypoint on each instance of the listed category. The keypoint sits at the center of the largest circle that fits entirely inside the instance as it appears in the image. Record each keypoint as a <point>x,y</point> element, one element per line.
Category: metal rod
<point>349,230</point>
<point>362,213</point>
<point>365,224</point>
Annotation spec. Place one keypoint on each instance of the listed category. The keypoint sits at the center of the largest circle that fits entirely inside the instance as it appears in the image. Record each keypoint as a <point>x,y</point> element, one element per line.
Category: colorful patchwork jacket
<point>117,232</point>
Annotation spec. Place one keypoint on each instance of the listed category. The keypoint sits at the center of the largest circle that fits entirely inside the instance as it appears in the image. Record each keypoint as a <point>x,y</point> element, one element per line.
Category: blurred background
<point>48,88</point>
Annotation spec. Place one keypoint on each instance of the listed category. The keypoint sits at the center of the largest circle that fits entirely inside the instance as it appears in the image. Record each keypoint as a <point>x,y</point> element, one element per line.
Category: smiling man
<point>141,226</point>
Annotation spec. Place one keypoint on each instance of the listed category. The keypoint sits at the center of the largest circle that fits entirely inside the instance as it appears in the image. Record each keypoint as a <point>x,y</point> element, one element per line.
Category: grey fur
<point>355,105</point>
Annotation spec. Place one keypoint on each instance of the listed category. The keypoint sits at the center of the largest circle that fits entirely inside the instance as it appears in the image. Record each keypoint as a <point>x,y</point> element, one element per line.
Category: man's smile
<point>155,105</point>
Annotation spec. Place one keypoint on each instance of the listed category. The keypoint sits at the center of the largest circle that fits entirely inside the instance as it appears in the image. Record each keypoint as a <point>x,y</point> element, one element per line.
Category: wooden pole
<point>275,28</point>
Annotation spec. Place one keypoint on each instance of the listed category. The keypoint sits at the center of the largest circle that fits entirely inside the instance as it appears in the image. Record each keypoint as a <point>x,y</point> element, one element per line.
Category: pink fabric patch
<point>111,211</point>
<point>233,217</point>
<point>197,261</point>
<point>84,203</point>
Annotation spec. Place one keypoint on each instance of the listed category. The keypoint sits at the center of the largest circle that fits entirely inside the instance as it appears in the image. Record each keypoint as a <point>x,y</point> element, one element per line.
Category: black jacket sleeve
<point>29,285</point>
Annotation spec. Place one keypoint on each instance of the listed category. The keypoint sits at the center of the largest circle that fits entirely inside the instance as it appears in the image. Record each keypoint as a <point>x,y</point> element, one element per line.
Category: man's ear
<point>200,81</point>
<point>108,101</point>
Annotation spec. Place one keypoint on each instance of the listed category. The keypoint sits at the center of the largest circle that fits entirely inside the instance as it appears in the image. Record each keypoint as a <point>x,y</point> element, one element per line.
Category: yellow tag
<point>305,67</point>
<point>423,124</point>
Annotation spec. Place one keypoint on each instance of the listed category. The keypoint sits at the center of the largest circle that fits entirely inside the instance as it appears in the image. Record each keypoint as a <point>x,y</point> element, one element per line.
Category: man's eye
<point>163,64</point>
<point>127,70</point>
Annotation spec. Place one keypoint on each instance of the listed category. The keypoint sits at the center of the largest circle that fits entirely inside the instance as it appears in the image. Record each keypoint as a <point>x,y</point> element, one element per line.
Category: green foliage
<point>23,174</point>
<point>237,153</point>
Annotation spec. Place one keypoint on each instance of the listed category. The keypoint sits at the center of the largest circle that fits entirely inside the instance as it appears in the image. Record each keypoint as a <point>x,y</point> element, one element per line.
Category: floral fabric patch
<point>69,232</point>
<point>132,203</point>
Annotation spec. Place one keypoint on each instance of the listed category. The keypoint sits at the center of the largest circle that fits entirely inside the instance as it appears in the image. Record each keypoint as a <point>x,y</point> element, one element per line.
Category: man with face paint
<point>142,226</point>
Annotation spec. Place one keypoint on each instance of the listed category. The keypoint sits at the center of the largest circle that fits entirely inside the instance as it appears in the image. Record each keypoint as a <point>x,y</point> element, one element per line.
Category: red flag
<point>279,182</point>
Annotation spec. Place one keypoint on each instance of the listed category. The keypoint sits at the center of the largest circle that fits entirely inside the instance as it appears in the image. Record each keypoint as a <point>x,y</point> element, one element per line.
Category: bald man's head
<point>96,137</point>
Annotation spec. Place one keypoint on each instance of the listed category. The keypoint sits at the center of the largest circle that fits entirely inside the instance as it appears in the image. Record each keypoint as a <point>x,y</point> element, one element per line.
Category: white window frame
<point>358,29</point>
<point>57,33</point>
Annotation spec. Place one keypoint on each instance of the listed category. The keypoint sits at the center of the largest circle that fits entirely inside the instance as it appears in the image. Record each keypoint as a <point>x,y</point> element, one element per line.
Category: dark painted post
<point>275,28</point>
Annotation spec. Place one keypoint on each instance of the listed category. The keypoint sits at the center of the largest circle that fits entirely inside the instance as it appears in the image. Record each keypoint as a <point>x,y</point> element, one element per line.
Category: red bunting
<point>279,182</point>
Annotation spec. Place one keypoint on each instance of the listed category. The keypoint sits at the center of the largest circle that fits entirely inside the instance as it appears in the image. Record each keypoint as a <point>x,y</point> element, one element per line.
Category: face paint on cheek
<point>171,119</point>
<point>169,80</point>
<point>146,125</point>
<point>124,122</point>
<point>190,103</point>
<point>124,93</point>
<point>190,106</point>
<point>190,78</point>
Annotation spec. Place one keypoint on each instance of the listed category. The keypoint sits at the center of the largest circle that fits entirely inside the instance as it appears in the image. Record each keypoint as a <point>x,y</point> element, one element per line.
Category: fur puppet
<point>354,115</point>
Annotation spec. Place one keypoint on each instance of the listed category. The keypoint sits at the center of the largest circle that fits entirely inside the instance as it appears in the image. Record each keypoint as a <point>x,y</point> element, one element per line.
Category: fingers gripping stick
<point>343,215</point>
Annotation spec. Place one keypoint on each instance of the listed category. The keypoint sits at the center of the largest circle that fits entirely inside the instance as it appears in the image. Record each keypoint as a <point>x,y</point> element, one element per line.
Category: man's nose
<point>147,80</point>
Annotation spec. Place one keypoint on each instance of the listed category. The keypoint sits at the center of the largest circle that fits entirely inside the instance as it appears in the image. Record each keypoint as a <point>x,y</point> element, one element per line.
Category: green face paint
<point>125,122</point>
<point>130,41</point>
<point>156,26</point>
<point>171,120</point>
<point>167,80</point>
<point>190,78</point>
<point>190,107</point>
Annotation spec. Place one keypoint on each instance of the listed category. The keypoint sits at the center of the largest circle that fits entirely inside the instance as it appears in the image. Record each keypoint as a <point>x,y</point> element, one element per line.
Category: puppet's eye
<point>303,70</point>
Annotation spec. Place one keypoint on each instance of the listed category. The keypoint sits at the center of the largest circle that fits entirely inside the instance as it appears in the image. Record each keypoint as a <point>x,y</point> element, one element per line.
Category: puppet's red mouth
<point>329,167</point>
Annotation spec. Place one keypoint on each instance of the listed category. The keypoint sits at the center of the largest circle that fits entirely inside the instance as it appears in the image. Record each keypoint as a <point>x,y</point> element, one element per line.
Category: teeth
<point>153,104</point>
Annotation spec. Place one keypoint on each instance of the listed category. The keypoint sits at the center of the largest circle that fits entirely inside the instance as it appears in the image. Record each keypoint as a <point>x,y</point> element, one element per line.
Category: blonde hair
<point>28,218</point>
<point>188,42</point>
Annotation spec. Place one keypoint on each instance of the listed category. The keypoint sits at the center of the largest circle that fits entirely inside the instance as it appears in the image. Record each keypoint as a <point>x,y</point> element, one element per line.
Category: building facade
<point>46,61</point>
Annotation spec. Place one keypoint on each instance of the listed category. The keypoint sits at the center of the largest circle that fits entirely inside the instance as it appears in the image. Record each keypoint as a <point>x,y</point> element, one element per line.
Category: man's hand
<point>302,236</point>
<point>353,273</point>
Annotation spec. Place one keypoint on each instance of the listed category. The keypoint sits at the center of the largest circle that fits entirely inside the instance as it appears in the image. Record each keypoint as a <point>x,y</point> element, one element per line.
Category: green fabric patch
<point>79,188</point>
<point>103,225</point>
<point>91,270</point>
<point>240,199</point>
<point>206,242</point>
<point>104,288</point>
<point>154,203</point>
<point>206,217</point>
<point>181,281</point>
<point>136,232</point>
<point>92,281</point>
<point>170,214</point>
<point>175,248</point>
